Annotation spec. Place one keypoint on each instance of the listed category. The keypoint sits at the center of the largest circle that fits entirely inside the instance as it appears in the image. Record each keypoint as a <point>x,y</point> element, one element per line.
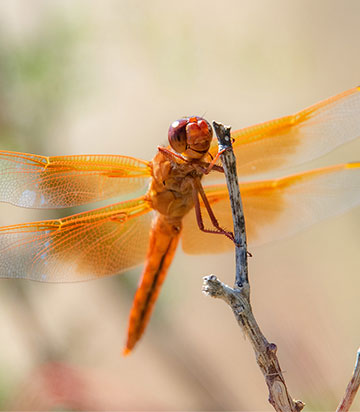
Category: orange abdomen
<point>164,238</point>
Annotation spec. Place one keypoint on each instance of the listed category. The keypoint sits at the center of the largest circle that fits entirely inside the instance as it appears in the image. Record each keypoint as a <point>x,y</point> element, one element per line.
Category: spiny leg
<point>203,167</point>
<point>213,166</point>
<point>170,154</point>
<point>197,188</point>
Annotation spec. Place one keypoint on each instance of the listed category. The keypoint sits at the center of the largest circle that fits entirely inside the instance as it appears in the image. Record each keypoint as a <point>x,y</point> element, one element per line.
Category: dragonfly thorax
<point>171,188</point>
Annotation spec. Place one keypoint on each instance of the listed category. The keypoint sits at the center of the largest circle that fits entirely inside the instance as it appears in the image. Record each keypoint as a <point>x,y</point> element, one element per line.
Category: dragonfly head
<point>190,136</point>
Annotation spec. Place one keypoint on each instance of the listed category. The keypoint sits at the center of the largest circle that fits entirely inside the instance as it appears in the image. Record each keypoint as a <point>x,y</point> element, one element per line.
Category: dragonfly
<point>176,203</point>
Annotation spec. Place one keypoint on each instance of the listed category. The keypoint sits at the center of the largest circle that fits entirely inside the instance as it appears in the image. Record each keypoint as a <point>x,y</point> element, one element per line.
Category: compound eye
<point>177,135</point>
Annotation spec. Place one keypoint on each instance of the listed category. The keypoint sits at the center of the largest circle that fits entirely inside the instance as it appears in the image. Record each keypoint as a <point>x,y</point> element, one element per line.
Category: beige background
<point>109,77</point>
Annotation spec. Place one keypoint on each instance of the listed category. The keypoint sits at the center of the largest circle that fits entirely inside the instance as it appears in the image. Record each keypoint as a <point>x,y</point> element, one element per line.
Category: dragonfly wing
<point>277,208</point>
<point>292,140</point>
<point>52,182</point>
<point>88,245</point>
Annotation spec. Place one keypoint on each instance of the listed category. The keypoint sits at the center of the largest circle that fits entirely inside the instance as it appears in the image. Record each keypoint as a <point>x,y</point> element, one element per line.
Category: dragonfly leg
<point>206,167</point>
<point>197,188</point>
<point>203,167</point>
<point>170,154</point>
<point>212,165</point>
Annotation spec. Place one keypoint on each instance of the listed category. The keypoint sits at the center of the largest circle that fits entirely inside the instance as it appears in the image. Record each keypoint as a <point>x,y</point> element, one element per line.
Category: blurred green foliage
<point>36,76</point>
<point>5,388</point>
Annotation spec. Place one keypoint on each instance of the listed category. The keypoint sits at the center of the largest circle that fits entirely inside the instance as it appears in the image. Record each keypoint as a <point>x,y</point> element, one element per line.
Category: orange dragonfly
<point>112,239</point>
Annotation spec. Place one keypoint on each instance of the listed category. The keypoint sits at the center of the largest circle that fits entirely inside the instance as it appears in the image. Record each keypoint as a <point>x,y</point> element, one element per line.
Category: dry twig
<point>352,387</point>
<point>238,298</point>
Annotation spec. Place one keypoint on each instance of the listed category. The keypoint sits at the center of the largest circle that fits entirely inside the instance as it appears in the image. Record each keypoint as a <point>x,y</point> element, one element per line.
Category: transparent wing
<point>88,245</point>
<point>292,140</point>
<point>52,182</point>
<point>277,208</point>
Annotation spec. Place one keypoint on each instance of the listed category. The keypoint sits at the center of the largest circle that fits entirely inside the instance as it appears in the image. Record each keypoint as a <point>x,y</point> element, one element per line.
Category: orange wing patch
<point>277,208</point>
<point>62,181</point>
<point>292,140</point>
<point>84,246</point>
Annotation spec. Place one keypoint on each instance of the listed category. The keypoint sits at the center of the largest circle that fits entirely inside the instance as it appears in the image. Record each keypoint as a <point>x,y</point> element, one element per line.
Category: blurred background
<point>109,77</point>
